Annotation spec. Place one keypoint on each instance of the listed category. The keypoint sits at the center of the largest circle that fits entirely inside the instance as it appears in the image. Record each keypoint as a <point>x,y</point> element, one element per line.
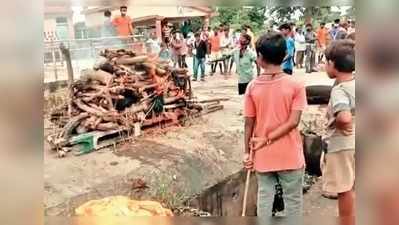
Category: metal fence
<point>84,53</point>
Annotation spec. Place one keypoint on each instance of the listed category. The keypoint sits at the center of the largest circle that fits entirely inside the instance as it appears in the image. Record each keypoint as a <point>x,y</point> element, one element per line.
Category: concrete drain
<point>225,198</point>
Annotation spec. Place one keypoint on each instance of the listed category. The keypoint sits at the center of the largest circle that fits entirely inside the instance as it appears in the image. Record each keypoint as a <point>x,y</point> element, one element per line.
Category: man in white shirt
<point>300,47</point>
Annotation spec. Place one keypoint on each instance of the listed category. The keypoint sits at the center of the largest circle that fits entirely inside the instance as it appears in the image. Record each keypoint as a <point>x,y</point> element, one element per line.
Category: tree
<point>235,17</point>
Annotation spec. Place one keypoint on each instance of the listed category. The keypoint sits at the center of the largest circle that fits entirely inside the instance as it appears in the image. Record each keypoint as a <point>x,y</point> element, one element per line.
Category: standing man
<point>300,47</point>
<point>108,29</point>
<point>199,52</point>
<point>108,32</point>
<point>288,63</point>
<point>177,44</point>
<point>166,33</point>
<point>310,55</point>
<point>342,31</point>
<point>214,40</point>
<point>321,36</point>
<point>123,23</point>
<point>245,59</point>
<point>334,29</point>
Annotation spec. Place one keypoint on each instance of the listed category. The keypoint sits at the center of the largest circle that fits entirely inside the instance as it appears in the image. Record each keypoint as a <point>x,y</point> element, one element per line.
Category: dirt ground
<point>174,165</point>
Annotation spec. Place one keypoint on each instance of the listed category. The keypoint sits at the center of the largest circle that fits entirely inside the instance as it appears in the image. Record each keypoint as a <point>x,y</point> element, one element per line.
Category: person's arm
<point>250,118</point>
<point>285,128</point>
<point>115,22</point>
<point>249,128</point>
<point>299,103</point>
<point>341,108</point>
<point>343,121</point>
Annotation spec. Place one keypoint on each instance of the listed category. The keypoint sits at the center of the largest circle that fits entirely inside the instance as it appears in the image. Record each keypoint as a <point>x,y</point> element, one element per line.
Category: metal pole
<point>67,55</point>
<point>53,49</point>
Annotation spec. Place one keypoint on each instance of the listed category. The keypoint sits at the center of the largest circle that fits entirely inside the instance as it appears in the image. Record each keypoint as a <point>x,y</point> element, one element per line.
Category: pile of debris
<point>121,206</point>
<point>126,91</point>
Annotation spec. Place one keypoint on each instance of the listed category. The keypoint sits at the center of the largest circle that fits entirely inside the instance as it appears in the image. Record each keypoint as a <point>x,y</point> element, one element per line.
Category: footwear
<point>202,79</point>
<point>194,79</point>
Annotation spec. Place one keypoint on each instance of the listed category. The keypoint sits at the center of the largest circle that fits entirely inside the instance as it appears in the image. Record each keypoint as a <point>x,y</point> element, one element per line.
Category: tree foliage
<point>261,17</point>
<point>235,17</point>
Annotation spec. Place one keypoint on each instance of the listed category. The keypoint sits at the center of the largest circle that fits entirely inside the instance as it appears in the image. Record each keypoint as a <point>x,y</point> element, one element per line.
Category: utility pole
<point>67,56</point>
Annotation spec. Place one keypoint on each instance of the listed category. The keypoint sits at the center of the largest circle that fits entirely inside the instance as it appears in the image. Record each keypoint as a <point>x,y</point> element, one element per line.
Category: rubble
<point>126,91</point>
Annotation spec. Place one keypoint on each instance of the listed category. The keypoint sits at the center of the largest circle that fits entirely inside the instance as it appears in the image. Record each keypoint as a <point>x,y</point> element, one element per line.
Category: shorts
<point>339,171</point>
<point>242,87</point>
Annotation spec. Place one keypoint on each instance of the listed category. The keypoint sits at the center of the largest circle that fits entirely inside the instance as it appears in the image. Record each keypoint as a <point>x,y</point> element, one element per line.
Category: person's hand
<point>347,130</point>
<point>258,143</point>
<point>248,162</point>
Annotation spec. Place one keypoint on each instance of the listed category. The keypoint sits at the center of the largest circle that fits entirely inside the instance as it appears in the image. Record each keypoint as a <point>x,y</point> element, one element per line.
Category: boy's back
<point>271,102</point>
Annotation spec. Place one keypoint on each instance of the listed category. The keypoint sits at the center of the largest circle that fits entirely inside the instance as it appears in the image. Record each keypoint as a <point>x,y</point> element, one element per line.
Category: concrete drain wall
<point>226,197</point>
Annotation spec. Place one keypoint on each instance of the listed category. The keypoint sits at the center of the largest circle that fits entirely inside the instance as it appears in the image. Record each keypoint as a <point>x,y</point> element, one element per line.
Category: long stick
<point>244,203</point>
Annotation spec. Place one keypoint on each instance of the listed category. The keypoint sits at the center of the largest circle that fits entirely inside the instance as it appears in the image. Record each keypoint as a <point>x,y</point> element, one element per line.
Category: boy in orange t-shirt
<point>274,102</point>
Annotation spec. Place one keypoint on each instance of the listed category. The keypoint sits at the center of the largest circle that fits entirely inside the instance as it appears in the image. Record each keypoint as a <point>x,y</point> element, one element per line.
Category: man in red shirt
<point>322,36</point>
<point>123,23</point>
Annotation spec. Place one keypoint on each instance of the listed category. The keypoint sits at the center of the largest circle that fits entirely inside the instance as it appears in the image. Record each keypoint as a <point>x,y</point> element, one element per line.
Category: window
<point>61,20</point>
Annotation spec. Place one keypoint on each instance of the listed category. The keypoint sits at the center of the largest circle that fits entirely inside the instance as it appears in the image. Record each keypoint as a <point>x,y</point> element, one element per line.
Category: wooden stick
<point>244,203</point>
<point>247,182</point>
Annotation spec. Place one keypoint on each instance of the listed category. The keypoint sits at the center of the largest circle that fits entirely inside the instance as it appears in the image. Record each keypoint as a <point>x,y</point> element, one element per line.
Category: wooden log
<point>99,75</point>
<point>132,60</point>
<point>209,100</point>
<point>72,124</point>
<point>137,108</point>
<point>82,106</point>
<point>160,71</point>
<point>107,126</point>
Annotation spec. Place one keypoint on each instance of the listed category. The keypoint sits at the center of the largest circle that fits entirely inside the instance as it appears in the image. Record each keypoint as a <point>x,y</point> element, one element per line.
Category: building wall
<point>54,25</point>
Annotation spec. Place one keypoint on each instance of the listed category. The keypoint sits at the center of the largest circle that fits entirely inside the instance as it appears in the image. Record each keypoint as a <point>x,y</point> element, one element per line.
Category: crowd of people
<point>274,100</point>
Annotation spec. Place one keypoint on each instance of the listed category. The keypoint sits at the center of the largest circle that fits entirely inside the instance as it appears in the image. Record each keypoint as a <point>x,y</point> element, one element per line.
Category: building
<point>58,23</point>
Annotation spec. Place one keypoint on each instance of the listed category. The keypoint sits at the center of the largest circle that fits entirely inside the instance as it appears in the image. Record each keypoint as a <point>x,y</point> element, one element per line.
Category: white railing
<point>83,53</point>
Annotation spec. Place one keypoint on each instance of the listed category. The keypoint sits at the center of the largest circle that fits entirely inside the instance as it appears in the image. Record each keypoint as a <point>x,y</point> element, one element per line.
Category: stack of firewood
<point>124,89</point>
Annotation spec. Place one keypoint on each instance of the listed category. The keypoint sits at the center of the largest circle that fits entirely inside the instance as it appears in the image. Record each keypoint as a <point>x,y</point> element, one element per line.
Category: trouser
<point>181,59</point>
<point>242,87</point>
<point>214,66</point>
<point>310,60</point>
<point>198,63</point>
<point>299,58</point>
<point>291,182</point>
<point>231,63</point>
